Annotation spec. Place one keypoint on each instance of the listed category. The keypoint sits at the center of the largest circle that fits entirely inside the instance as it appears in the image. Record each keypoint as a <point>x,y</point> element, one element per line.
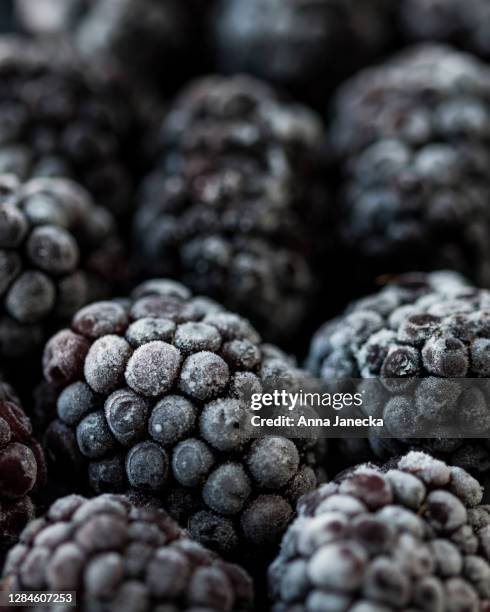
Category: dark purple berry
<point>409,537</point>
<point>430,350</point>
<point>152,398</point>
<point>120,556</point>
<point>22,467</point>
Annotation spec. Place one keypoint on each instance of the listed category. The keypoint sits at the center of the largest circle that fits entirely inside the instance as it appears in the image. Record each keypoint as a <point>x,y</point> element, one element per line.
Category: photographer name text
<point>288,402</point>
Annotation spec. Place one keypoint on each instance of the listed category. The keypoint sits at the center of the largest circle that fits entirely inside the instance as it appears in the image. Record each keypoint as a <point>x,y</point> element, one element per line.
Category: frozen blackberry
<point>56,120</point>
<point>432,326</point>
<point>58,250</point>
<point>154,397</point>
<point>227,208</point>
<point>463,24</point>
<point>22,467</point>
<point>411,537</point>
<point>122,557</point>
<point>403,137</point>
<point>410,136</point>
<point>304,45</point>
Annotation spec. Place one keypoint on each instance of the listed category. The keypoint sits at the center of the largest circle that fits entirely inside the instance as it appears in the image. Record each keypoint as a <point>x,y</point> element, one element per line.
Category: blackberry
<point>409,536</point>
<point>49,16</point>
<point>148,41</point>
<point>463,24</point>
<point>22,467</point>
<point>432,326</point>
<point>410,139</point>
<point>58,250</point>
<point>306,46</point>
<point>153,398</point>
<point>227,205</point>
<point>124,557</point>
<point>56,119</point>
<point>150,44</point>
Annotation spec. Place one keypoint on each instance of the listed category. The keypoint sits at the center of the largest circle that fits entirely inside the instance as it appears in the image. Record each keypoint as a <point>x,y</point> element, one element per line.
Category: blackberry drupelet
<point>228,207</point>
<point>411,536</point>
<point>411,140</point>
<point>22,468</point>
<point>58,250</point>
<point>432,326</point>
<point>120,557</point>
<point>56,119</point>
<point>306,46</point>
<point>463,24</point>
<point>154,397</point>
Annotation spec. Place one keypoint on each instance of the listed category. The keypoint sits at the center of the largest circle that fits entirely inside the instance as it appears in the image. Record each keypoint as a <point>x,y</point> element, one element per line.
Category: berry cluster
<point>22,467</point>
<point>361,160</point>
<point>463,24</point>
<point>113,30</point>
<point>155,398</point>
<point>411,139</point>
<point>225,208</point>
<point>119,557</point>
<point>433,326</point>
<point>57,252</point>
<point>410,536</point>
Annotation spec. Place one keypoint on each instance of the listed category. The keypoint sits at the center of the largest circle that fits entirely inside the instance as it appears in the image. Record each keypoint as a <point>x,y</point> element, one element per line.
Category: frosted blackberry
<point>228,208</point>
<point>58,120</point>
<point>307,46</point>
<point>119,556</point>
<point>7,17</point>
<point>58,250</point>
<point>410,140</point>
<point>22,467</point>
<point>153,396</point>
<point>410,536</point>
<point>432,326</point>
<point>463,24</point>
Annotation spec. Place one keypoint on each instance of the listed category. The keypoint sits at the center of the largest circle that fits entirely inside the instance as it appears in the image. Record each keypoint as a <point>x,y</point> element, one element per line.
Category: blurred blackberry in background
<point>56,120</point>
<point>154,397</point>
<point>120,557</point>
<point>49,17</point>
<point>22,468</point>
<point>229,206</point>
<point>428,326</point>
<point>305,46</point>
<point>57,252</point>
<point>410,536</point>
<point>412,140</point>
<point>147,43</point>
<point>463,24</point>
